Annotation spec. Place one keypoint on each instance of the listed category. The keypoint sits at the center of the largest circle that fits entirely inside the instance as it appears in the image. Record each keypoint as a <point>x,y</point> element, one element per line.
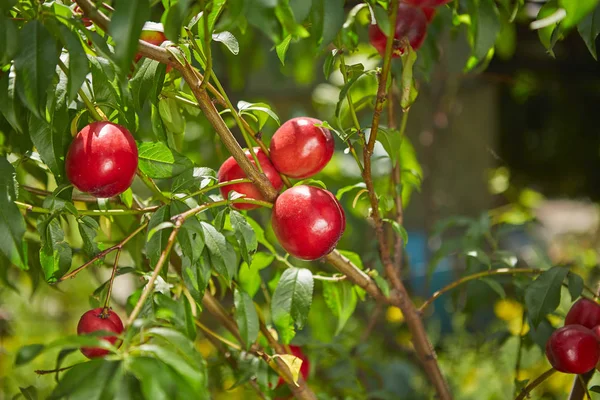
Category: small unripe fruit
<point>410,24</point>
<point>230,170</point>
<point>573,349</point>
<point>102,159</point>
<point>299,149</point>
<point>304,368</point>
<point>95,320</point>
<point>308,221</point>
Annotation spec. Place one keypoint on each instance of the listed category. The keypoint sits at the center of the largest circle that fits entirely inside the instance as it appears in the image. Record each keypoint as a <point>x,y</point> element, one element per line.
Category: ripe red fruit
<point>102,159</point>
<point>427,3</point>
<point>93,321</point>
<point>429,13</point>
<point>411,24</point>
<point>230,170</point>
<point>573,349</point>
<point>304,368</point>
<point>308,221</point>
<point>152,33</point>
<point>299,149</point>
<point>584,312</point>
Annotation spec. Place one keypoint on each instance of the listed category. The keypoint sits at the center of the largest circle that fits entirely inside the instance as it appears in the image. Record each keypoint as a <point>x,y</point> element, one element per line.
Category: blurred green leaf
<point>576,285</point>
<point>89,380</point>
<point>12,225</point>
<point>126,25</point>
<point>29,392</point>
<point>576,10</point>
<point>246,317</point>
<point>341,299</point>
<point>9,39</point>
<point>35,65</point>
<point>28,353</point>
<point>495,286</point>
<point>291,301</point>
<point>589,29</point>
<point>158,161</point>
<point>10,106</point>
<point>249,276</point>
<point>282,48</point>
<point>543,295</point>
<point>174,18</point>
<point>549,34</point>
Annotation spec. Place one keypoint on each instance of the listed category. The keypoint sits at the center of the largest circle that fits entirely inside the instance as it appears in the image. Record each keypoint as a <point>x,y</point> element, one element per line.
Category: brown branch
<point>538,381</point>
<point>103,253</point>
<point>580,382</point>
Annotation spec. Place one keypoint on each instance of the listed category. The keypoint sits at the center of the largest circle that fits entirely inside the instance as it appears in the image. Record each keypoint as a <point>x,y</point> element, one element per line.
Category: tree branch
<point>42,210</point>
<point>538,381</point>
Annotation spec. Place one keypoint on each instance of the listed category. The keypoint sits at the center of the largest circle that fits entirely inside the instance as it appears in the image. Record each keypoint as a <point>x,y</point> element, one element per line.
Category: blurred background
<point>510,161</point>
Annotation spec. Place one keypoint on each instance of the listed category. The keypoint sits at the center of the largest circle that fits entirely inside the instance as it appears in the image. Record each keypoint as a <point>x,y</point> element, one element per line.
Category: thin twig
<point>216,186</point>
<point>115,212</point>
<point>538,381</point>
<point>103,253</point>
<point>45,193</point>
<point>112,279</point>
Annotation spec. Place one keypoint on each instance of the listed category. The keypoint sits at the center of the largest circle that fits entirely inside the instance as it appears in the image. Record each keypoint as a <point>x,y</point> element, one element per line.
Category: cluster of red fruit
<point>308,221</point>
<point>411,23</point>
<point>575,348</point>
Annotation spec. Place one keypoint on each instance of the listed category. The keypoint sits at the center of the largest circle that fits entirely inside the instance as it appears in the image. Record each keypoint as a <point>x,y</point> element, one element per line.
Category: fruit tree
<point>219,199</point>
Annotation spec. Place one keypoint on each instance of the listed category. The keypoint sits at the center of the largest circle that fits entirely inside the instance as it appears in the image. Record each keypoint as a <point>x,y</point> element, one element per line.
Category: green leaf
<point>78,62</point>
<point>346,189</point>
<point>246,317</point>
<point>88,229</point>
<point>547,33</point>
<point>595,389</point>
<point>193,180</point>
<point>543,295</point>
<point>383,20</point>
<point>399,230</point>
<point>125,28</point>
<point>158,241</point>
<point>90,380</point>
<point>495,286</point>
<point>409,90</point>
<point>249,276</point>
<point>328,18</point>
<point>341,299</point>
<point>487,28</point>
<point>391,140</point>
<point>9,39</point>
<point>190,236</point>
<point>229,40</point>
<point>28,353</point>
<point>262,111</point>
<point>55,252</point>
<point>174,18</point>
<point>244,234</point>
<point>221,254</point>
<point>179,363</point>
<point>576,10</point>
<point>173,121</point>
<point>10,106</point>
<point>35,65</point>
<point>161,382</point>
<point>147,82</point>
<point>291,301</point>
<point>354,258</point>
<point>29,392</point>
<point>49,143</point>
<point>282,48</point>
<point>589,29</point>
<point>159,162</point>
<point>382,284</point>
<point>12,225</point>
<point>575,285</point>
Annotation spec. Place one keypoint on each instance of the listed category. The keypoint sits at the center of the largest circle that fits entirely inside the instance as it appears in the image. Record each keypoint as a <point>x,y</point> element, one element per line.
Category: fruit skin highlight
<point>411,24</point>
<point>299,149</point>
<point>573,349</point>
<point>584,312</point>
<point>230,170</point>
<point>102,159</point>
<point>308,221</point>
<point>93,321</point>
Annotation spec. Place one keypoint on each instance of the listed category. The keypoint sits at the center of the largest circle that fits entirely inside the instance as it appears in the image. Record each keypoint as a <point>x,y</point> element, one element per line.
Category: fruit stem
<point>152,186</point>
<point>538,381</point>
<point>104,253</point>
<point>580,384</point>
<point>110,283</point>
